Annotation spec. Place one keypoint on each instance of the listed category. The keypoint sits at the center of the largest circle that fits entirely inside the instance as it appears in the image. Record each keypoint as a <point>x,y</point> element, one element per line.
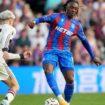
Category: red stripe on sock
<point>12,91</point>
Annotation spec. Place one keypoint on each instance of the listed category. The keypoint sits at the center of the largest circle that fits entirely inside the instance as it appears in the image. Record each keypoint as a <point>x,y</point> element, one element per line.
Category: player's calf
<point>13,88</point>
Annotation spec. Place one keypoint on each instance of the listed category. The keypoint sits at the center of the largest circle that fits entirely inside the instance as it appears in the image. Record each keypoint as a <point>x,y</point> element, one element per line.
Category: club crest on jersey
<point>63,30</point>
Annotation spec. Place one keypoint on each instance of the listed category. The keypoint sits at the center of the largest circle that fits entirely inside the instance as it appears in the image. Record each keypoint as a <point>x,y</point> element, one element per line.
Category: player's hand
<point>27,54</point>
<point>96,61</point>
<point>31,24</point>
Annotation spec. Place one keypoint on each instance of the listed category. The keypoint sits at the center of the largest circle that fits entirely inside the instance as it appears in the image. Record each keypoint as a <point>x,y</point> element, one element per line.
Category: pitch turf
<point>78,99</point>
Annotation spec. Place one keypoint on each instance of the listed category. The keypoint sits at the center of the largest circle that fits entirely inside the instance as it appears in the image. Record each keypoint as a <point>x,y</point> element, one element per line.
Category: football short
<point>61,57</point>
<point>5,71</point>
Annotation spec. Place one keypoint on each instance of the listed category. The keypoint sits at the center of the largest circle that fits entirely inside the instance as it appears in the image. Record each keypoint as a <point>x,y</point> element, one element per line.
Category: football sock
<point>60,97</point>
<point>52,83</point>
<point>10,96</point>
<point>68,92</point>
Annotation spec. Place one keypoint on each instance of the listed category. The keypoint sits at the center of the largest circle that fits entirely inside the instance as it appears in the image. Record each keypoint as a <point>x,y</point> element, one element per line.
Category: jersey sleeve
<point>81,34</point>
<point>47,18</point>
<point>82,37</point>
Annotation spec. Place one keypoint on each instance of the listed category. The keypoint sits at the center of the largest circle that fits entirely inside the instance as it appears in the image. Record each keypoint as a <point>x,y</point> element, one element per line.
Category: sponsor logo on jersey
<point>63,30</point>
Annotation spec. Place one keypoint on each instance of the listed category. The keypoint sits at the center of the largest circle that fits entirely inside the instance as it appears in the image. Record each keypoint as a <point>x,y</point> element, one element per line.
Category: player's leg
<point>13,85</point>
<point>69,87</point>
<point>49,62</point>
<point>48,68</point>
<point>67,65</point>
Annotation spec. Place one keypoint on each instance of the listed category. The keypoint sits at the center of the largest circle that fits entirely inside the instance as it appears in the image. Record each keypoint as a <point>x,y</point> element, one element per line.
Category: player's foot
<point>63,102</point>
<point>4,102</point>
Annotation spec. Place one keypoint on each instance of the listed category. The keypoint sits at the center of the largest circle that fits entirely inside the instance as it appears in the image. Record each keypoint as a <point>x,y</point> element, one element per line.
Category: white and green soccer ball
<point>51,101</point>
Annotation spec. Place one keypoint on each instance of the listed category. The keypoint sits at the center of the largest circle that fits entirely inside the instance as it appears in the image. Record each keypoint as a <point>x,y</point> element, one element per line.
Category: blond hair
<point>7,14</point>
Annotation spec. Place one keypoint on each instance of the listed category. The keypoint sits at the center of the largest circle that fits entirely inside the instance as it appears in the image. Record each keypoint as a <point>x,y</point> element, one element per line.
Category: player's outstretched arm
<point>46,19</point>
<point>88,47</point>
<point>11,56</point>
<point>90,51</point>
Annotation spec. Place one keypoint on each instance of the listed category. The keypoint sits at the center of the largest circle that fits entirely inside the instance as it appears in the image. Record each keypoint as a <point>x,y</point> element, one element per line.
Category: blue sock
<point>68,92</point>
<point>52,83</point>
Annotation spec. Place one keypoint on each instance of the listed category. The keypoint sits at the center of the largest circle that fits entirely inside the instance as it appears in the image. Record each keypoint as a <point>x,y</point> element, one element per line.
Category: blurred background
<point>91,15</point>
<point>88,77</point>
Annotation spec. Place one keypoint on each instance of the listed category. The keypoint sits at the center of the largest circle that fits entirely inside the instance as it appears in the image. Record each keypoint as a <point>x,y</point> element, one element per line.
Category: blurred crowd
<point>91,15</point>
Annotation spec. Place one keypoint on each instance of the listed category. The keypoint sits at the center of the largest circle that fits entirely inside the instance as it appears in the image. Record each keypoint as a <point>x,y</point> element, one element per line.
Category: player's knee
<point>70,80</point>
<point>48,71</point>
<point>15,86</point>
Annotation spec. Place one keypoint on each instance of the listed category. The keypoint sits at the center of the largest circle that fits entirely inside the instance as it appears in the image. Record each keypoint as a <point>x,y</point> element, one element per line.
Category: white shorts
<point>5,71</point>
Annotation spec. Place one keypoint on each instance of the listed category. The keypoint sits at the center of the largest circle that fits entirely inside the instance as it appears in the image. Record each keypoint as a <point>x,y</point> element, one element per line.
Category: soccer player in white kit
<point>7,32</point>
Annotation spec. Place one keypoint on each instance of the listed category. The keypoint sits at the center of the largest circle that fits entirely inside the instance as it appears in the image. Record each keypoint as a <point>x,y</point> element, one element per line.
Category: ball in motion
<point>51,101</point>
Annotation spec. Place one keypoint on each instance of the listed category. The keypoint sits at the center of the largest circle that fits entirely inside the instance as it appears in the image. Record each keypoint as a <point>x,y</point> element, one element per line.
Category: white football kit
<point>7,33</point>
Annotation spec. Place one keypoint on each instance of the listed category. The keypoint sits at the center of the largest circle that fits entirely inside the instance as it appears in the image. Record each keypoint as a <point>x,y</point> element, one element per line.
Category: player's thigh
<point>48,68</point>
<point>66,61</point>
<point>49,62</point>
<point>3,73</point>
<point>67,66</point>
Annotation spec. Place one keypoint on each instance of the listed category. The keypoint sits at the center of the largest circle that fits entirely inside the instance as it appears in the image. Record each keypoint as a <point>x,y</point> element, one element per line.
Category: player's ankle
<point>60,97</point>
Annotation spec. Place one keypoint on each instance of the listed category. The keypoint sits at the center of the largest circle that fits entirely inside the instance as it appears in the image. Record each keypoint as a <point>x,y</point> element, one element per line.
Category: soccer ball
<point>51,101</point>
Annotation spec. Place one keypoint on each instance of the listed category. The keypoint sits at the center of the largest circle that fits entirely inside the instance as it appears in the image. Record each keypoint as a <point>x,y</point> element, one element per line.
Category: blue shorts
<point>61,57</point>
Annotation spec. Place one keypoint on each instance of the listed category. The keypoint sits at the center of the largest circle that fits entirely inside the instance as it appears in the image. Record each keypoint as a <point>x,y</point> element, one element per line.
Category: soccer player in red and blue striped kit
<point>63,26</point>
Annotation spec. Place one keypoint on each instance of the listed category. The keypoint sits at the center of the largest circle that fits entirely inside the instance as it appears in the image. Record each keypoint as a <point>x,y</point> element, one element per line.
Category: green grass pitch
<point>78,99</point>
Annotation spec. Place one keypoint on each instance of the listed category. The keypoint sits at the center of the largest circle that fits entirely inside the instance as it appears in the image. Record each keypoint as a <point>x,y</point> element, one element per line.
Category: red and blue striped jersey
<point>61,31</point>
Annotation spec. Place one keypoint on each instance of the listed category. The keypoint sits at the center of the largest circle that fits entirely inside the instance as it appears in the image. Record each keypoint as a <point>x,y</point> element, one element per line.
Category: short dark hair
<point>70,1</point>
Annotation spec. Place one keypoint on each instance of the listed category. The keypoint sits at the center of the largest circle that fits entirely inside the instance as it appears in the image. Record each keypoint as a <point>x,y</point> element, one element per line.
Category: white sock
<point>9,97</point>
<point>60,97</point>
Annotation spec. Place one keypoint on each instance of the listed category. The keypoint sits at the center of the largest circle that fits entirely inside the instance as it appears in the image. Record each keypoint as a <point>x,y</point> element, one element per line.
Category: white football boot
<point>4,102</point>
